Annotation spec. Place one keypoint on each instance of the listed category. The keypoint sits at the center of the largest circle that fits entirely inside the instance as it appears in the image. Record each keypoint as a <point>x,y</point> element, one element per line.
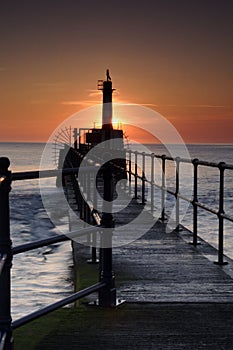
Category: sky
<point>174,56</point>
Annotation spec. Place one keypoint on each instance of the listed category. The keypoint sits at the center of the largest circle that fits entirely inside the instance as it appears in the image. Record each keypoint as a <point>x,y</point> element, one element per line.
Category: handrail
<point>106,285</point>
<point>220,213</point>
<point>55,239</point>
<point>39,244</point>
<point>52,307</point>
<point>29,175</point>
<point>183,160</point>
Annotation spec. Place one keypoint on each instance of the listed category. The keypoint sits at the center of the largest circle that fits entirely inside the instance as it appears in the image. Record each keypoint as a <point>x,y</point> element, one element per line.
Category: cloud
<point>186,106</point>
<point>150,105</point>
<point>93,93</point>
<point>206,106</point>
<point>86,103</point>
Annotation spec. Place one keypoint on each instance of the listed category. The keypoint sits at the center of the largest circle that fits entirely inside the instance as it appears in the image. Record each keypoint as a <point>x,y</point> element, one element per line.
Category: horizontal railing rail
<point>52,307</point>
<point>30,175</point>
<point>55,239</point>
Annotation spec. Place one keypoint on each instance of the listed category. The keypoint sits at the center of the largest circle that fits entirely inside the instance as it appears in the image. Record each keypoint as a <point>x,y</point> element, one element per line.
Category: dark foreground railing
<point>106,285</point>
<point>139,176</point>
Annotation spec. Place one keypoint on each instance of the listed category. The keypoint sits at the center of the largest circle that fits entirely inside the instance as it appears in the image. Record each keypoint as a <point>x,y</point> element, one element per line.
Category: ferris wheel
<point>62,139</point>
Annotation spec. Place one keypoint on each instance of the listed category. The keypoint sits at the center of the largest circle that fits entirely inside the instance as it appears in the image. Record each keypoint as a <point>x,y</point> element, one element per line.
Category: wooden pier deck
<point>176,298</point>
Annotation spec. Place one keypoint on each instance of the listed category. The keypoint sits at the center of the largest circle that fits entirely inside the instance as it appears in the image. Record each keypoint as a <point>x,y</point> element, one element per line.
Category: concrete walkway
<point>176,298</point>
<point>185,326</point>
<point>164,267</point>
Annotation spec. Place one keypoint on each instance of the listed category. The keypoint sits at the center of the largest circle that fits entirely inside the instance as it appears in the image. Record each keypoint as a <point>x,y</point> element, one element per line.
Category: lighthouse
<point>90,137</point>
<point>86,139</point>
<point>106,87</point>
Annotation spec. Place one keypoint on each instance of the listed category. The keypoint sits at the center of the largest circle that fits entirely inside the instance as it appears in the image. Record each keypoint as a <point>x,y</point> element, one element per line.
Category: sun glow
<point>116,123</point>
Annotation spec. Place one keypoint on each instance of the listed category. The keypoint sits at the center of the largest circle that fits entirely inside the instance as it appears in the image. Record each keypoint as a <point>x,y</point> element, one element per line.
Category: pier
<point>175,296</point>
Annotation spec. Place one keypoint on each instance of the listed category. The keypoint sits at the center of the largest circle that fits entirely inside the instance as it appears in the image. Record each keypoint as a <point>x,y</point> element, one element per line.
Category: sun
<point>116,123</point>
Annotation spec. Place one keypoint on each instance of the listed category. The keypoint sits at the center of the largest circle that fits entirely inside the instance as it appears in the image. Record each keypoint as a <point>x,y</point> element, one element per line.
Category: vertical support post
<point>88,185</point>
<point>75,131</point>
<point>220,217</point>
<point>93,259</point>
<point>143,177</point>
<point>85,183</point>
<point>163,158</point>
<point>89,221</point>
<point>85,214</point>
<point>107,295</point>
<point>6,338</point>
<point>195,200</point>
<point>130,170</point>
<point>152,181</point>
<point>177,192</point>
<point>94,181</point>
<point>81,206</point>
<point>136,175</point>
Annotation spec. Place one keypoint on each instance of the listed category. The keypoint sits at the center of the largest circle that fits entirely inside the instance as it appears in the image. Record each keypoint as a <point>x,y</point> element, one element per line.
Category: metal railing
<point>138,179</point>
<point>134,173</point>
<point>106,285</point>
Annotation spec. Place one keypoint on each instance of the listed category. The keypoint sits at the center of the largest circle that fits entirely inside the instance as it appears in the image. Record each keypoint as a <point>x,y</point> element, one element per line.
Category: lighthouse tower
<point>90,137</point>
<point>106,87</point>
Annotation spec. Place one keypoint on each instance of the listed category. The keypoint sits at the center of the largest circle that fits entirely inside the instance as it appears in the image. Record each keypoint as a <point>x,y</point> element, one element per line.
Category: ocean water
<point>43,276</point>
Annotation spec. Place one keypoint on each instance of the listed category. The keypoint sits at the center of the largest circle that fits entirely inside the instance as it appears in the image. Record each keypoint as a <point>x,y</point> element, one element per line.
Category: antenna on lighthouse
<point>106,87</point>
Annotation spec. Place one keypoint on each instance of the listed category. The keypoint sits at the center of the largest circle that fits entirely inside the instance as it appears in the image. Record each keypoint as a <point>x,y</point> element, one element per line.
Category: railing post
<point>130,170</point>
<point>152,181</point>
<point>194,201</point>
<point>220,217</point>
<point>93,259</point>
<point>107,295</point>
<point>143,177</point>
<point>163,158</point>
<point>85,216</point>
<point>177,192</point>
<point>6,338</point>
<point>95,189</point>
<point>136,176</point>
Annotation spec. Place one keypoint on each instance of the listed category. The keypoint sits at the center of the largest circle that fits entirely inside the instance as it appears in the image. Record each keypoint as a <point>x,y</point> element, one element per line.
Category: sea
<point>44,275</point>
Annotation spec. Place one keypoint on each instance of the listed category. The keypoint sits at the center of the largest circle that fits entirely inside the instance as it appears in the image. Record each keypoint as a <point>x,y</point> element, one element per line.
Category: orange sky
<point>173,57</point>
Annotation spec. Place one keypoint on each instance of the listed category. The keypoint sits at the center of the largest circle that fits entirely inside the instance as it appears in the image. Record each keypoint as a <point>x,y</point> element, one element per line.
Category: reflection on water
<point>43,275</point>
